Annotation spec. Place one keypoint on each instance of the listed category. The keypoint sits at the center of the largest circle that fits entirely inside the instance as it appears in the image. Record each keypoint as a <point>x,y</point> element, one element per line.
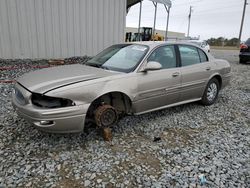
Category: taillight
<point>243,46</point>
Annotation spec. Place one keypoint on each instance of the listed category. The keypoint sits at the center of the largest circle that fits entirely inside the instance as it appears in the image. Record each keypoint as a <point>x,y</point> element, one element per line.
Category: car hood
<point>44,80</point>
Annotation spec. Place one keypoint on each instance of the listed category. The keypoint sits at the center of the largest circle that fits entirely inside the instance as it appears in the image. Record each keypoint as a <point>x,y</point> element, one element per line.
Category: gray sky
<point>210,18</point>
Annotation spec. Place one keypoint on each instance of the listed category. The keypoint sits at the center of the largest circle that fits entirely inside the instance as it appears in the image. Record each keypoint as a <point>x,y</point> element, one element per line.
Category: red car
<point>245,52</point>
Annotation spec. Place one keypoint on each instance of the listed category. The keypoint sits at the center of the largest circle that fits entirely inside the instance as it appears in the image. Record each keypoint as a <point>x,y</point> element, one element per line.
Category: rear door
<point>195,71</point>
<point>159,88</point>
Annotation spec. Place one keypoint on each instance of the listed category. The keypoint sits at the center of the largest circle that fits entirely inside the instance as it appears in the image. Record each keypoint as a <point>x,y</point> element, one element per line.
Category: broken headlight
<point>19,97</point>
<point>44,101</point>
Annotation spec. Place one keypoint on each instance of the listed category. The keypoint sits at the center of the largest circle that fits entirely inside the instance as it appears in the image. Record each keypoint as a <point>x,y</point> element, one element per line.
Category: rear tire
<point>211,92</point>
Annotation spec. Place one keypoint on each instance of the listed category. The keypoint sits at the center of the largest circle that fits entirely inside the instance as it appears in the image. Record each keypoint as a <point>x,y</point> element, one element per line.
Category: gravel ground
<point>213,142</point>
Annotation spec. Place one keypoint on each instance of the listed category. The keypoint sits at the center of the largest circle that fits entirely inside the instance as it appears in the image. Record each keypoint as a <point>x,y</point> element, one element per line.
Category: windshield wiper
<point>103,67</point>
<point>93,65</point>
<point>97,65</point>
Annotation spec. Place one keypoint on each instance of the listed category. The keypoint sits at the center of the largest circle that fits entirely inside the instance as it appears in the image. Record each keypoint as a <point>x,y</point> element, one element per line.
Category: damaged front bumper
<point>57,120</point>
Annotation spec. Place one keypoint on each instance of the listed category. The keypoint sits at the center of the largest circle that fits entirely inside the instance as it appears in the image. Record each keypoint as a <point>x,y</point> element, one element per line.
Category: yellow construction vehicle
<point>158,37</point>
<point>146,34</point>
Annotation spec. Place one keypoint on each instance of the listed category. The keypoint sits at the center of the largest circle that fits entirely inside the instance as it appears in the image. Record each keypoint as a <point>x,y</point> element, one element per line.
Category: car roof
<point>195,41</point>
<point>153,44</point>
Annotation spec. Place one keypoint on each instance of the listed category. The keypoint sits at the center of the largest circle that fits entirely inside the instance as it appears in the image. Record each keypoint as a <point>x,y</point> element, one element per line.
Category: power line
<point>219,8</point>
<point>188,3</point>
<point>203,1</point>
<point>213,10</point>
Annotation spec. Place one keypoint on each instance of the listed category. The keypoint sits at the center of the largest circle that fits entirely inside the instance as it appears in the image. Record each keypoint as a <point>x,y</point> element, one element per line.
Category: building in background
<point>63,28</point>
<point>60,28</point>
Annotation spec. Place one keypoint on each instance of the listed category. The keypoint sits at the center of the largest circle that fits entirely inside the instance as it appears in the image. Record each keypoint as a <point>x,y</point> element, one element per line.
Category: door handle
<point>175,74</point>
<point>208,68</point>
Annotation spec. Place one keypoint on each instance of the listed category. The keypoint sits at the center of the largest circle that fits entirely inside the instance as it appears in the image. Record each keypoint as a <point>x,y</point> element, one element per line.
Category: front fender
<point>86,93</point>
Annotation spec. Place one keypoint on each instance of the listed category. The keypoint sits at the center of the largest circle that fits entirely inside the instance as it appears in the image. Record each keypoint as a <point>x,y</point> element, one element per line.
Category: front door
<point>158,88</point>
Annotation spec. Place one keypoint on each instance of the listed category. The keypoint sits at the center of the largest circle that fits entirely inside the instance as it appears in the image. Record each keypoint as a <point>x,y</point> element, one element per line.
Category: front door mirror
<point>152,65</point>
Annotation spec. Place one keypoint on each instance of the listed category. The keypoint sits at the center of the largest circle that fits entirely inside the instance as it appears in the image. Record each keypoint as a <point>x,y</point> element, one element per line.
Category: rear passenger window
<point>189,55</point>
<point>203,56</point>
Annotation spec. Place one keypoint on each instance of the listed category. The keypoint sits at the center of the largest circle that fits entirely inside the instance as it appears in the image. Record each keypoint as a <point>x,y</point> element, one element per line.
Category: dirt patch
<point>179,136</point>
<point>67,181</point>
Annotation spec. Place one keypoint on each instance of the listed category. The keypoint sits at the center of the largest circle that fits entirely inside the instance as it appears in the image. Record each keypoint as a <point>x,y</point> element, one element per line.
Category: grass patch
<point>225,48</point>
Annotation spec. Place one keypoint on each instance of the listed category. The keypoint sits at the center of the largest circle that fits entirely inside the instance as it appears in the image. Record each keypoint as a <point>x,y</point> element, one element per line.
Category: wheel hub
<point>105,116</point>
<point>212,91</point>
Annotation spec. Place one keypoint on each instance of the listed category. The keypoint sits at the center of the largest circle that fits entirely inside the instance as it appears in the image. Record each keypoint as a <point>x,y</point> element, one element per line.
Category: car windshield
<point>121,57</point>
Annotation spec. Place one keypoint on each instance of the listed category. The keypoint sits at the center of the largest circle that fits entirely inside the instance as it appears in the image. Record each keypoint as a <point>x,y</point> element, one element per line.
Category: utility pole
<point>168,11</point>
<point>242,21</point>
<point>155,4</point>
<point>139,26</point>
<point>189,19</point>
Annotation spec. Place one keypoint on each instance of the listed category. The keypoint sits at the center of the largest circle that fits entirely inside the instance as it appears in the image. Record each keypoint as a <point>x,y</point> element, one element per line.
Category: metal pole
<point>154,18</point>
<point>168,11</point>
<point>242,21</point>
<point>139,26</point>
<point>189,19</point>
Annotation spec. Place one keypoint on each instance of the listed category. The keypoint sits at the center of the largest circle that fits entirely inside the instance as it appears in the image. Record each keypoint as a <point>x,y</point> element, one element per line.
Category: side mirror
<point>152,65</point>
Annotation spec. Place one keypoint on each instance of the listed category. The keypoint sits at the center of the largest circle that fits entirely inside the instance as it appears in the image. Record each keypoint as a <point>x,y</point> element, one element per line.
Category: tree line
<point>221,41</point>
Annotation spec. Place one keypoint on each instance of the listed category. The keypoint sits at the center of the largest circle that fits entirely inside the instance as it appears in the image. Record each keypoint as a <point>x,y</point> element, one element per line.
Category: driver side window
<point>164,55</point>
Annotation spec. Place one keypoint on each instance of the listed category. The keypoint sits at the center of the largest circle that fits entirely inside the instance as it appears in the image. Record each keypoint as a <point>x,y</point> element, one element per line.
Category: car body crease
<point>69,84</point>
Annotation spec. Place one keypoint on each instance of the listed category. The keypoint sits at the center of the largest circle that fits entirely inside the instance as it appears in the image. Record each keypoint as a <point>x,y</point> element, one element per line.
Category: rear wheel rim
<point>212,92</point>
